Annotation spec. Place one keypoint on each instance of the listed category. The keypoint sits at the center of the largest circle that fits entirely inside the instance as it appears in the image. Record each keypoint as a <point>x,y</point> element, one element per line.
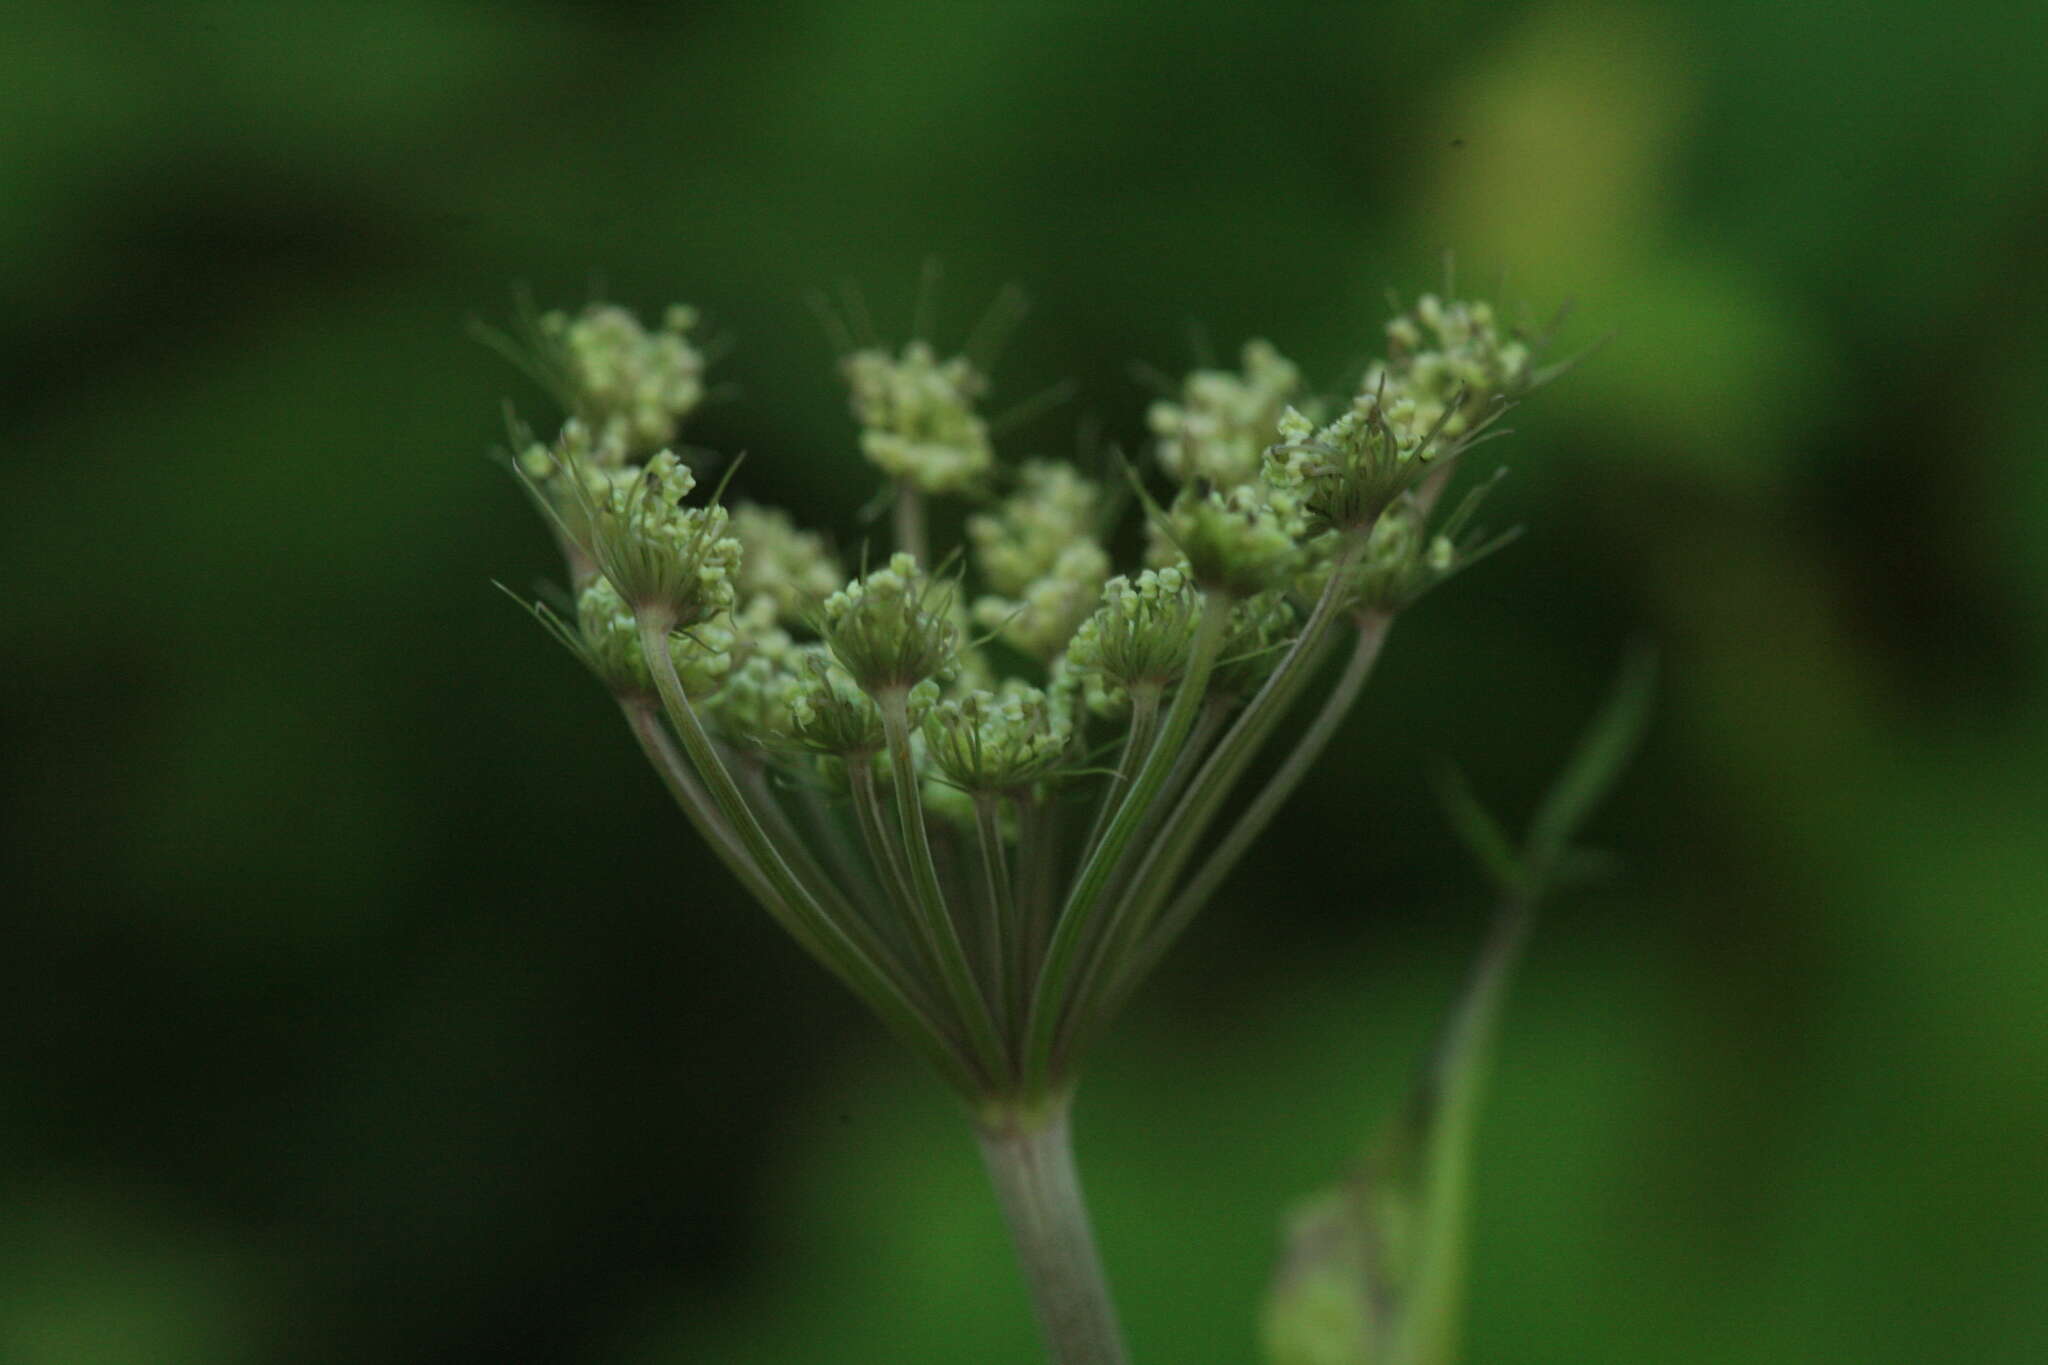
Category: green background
<point>362,998</point>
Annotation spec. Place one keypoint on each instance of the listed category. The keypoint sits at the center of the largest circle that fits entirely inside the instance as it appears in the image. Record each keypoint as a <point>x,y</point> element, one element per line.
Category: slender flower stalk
<point>925,810</point>
<point>1030,1159</point>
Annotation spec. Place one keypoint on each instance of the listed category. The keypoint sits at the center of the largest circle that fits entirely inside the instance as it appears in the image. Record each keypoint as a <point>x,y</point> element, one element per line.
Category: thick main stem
<point>1030,1159</point>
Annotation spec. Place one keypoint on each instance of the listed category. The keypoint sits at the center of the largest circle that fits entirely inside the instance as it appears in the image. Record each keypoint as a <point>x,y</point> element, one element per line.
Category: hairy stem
<point>1030,1159</point>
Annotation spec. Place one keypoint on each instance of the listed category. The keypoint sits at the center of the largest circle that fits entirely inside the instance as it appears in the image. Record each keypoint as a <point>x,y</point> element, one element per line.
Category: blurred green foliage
<point>365,1002</point>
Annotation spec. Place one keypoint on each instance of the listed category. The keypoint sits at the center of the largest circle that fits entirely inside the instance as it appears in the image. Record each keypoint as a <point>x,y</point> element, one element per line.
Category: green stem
<point>910,533</point>
<point>1000,938</point>
<point>1137,743</point>
<point>1030,1159</point>
<point>805,864</point>
<point>1191,814</point>
<point>1050,999</point>
<point>874,834</point>
<point>1372,633</point>
<point>1037,852</point>
<point>941,934</point>
<point>696,805</point>
<point>827,939</point>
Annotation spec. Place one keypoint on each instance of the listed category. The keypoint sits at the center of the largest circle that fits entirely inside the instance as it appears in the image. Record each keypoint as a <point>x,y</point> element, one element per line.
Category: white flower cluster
<point>788,569</point>
<point>634,386</point>
<point>1240,542</point>
<point>1444,353</point>
<point>892,628</point>
<point>703,656</point>
<point>918,419</point>
<point>656,552</point>
<point>1225,420</point>
<point>1038,553</point>
<point>1139,637</point>
<point>997,741</point>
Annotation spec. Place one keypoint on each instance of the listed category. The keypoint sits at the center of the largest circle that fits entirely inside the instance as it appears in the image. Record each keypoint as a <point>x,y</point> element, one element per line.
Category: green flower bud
<point>1453,361</point>
<point>996,741</point>
<point>610,637</point>
<point>893,628</point>
<point>1236,543</point>
<point>1261,628</point>
<point>1224,420</point>
<point>787,569</point>
<point>1351,470</point>
<point>1141,636</point>
<point>633,386</point>
<point>662,557</point>
<point>1023,540</point>
<point>917,417</point>
<point>829,713</point>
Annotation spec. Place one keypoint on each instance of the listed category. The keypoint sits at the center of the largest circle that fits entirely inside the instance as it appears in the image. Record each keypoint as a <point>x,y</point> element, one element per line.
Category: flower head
<point>997,741</point>
<point>1238,543</point>
<point>893,628</point>
<point>632,385</point>
<point>789,570</point>
<point>918,419</point>
<point>1224,420</point>
<point>664,558</point>
<point>703,656</point>
<point>1140,637</point>
<point>1455,362</point>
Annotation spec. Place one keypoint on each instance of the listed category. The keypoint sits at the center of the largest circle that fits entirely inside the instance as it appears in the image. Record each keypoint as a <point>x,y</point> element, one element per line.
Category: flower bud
<point>1351,470</point>
<point>1140,637</point>
<point>995,741</point>
<point>829,714</point>
<point>917,417</point>
<point>633,386</point>
<point>1261,628</point>
<point>1454,363</point>
<point>662,557</point>
<point>1236,543</point>
<point>1224,420</point>
<point>892,629</point>
<point>610,636</point>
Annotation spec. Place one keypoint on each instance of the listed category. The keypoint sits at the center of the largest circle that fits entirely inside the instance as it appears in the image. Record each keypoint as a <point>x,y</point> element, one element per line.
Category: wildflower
<point>632,386</point>
<point>666,559</point>
<point>1139,639</point>
<point>998,741</point>
<point>787,570</point>
<point>610,644</point>
<point>918,419</point>
<point>893,628</point>
<point>1237,543</point>
<point>938,860</point>
<point>1224,420</point>
<point>1454,363</point>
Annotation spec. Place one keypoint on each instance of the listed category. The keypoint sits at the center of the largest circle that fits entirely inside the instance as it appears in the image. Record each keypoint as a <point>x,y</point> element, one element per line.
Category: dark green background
<point>362,999</point>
